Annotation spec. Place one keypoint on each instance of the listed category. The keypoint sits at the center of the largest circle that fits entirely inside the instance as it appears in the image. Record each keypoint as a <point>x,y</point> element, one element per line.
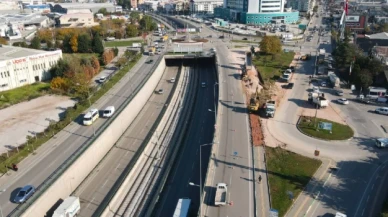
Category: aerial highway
<point>99,183</point>
<point>36,168</point>
<point>201,131</point>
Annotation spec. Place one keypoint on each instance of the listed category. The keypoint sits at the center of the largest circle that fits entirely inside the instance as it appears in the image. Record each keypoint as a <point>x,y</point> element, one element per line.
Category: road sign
<point>290,195</point>
<point>273,213</point>
<point>325,126</point>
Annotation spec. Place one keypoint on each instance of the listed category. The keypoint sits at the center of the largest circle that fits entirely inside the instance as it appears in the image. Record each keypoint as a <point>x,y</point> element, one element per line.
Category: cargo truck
<point>334,80</point>
<point>318,99</point>
<point>70,207</point>
<point>270,108</point>
<point>220,198</point>
<point>151,51</point>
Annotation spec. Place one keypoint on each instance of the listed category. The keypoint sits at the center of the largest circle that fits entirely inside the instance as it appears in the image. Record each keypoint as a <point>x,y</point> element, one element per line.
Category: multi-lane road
<point>35,169</point>
<point>200,132</point>
<point>101,180</point>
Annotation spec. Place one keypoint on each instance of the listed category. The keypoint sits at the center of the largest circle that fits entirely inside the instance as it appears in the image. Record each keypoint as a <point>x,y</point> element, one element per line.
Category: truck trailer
<point>270,109</point>
<point>70,207</point>
<point>318,99</point>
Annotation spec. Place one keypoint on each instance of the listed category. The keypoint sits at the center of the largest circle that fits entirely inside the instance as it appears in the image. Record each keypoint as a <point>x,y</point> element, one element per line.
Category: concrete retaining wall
<point>78,171</point>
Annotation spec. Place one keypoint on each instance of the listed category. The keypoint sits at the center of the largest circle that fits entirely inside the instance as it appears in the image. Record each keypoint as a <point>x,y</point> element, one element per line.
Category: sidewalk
<point>308,196</point>
<point>262,189</point>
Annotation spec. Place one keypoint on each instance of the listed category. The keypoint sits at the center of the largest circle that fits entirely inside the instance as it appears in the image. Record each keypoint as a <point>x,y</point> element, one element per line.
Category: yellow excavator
<point>254,101</point>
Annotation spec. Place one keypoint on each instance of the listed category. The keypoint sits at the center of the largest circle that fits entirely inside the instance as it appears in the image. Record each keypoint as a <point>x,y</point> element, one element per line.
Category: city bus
<point>376,92</point>
<point>182,208</point>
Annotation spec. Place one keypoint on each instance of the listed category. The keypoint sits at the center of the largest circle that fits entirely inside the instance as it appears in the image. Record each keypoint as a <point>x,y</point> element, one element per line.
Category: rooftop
<point>10,52</point>
<point>21,18</point>
<point>381,35</point>
<point>83,5</point>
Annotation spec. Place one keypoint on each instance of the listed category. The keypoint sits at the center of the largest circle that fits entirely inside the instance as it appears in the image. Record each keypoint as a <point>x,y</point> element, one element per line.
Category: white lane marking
<point>370,180</point>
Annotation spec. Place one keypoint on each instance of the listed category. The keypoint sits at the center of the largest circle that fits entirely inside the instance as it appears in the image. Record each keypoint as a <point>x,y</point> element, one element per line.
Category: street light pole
<point>215,100</point>
<point>200,178</point>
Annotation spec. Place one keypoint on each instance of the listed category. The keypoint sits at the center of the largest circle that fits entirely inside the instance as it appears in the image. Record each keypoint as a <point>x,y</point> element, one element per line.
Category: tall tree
<point>270,45</point>
<point>66,47</point>
<point>74,43</point>
<point>84,43</point>
<point>35,43</point>
<point>147,24</point>
<point>131,30</point>
<point>59,68</point>
<point>134,15</point>
<point>98,47</point>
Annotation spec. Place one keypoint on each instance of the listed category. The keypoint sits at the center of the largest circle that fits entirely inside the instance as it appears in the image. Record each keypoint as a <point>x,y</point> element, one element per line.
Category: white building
<point>148,5</point>
<point>205,6</point>
<point>21,66</point>
<point>77,20</point>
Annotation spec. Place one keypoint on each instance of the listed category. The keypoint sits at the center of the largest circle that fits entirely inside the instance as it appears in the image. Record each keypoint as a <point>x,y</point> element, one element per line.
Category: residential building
<point>356,23</point>
<point>367,42</point>
<point>299,5</point>
<point>256,12</point>
<point>80,20</point>
<point>205,6</point>
<point>150,5</point>
<point>21,66</point>
<point>380,53</point>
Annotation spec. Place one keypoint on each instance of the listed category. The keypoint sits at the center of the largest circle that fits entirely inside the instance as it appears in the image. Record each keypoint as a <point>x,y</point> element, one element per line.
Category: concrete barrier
<point>80,169</point>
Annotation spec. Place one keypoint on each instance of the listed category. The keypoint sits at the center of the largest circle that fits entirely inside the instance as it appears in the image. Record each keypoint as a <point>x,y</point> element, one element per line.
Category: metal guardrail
<point>68,162</point>
<point>116,186</point>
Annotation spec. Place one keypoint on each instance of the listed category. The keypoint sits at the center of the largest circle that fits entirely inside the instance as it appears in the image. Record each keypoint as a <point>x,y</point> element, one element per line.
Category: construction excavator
<point>254,102</point>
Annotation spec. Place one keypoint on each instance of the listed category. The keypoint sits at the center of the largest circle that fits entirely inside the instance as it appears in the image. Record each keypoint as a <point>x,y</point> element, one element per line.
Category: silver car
<point>24,193</point>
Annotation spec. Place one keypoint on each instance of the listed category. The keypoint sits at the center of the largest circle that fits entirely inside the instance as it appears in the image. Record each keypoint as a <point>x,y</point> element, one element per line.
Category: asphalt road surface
<point>233,162</point>
<point>96,187</point>
<point>357,188</point>
<point>187,164</point>
<point>35,169</point>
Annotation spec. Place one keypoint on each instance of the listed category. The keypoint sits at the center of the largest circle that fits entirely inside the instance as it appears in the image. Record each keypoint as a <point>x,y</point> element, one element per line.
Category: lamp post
<point>200,177</point>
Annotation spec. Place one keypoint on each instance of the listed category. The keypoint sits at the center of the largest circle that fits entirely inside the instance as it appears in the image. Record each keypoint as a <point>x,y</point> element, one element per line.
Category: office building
<point>205,6</point>
<point>21,66</point>
<point>299,5</point>
<point>256,12</point>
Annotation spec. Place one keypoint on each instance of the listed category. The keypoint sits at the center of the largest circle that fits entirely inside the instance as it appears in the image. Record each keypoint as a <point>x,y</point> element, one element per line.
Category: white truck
<point>318,99</point>
<point>136,45</point>
<point>382,142</point>
<point>182,207</point>
<point>270,109</point>
<point>222,190</point>
<point>70,207</point>
<point>334,80</point>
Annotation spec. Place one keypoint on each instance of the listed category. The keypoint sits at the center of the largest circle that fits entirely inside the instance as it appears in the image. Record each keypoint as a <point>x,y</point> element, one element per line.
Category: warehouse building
<point>21,66</point>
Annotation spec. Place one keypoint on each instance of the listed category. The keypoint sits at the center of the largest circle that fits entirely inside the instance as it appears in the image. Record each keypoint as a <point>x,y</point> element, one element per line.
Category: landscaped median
<point>310,126</point>
<point>17,155</point>
<point>271,67</point>
<point>288,174</point>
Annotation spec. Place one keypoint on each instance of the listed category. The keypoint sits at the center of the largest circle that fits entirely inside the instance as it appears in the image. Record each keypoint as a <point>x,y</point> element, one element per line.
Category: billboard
<point>353,19</point>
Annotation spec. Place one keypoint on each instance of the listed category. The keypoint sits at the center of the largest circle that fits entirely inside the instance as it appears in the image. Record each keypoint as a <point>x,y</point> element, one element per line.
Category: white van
<point>108,112</point>
<point>90,117</point>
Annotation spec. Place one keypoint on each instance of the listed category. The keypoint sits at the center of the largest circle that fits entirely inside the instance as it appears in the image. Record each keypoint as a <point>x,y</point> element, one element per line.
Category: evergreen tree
<point>84,43</point>
<point>35,43</point>
<point>98,47</point>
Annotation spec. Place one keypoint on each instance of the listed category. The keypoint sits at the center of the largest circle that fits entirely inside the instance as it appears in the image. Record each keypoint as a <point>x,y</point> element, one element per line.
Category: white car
<point>382,110</point>
<point>323,84</point>
<point>316,89</point>
<point>102,79</point>
<point>343,101</point>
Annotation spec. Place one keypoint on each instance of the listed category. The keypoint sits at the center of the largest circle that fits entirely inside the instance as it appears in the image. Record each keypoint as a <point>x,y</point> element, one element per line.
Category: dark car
<point>209,36</point>
<point>221,36</point>
<point>24,193</point>
<point>150,61</point>
<point>245,39</point>
<point>290,85</point>
<point>292,68</point>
